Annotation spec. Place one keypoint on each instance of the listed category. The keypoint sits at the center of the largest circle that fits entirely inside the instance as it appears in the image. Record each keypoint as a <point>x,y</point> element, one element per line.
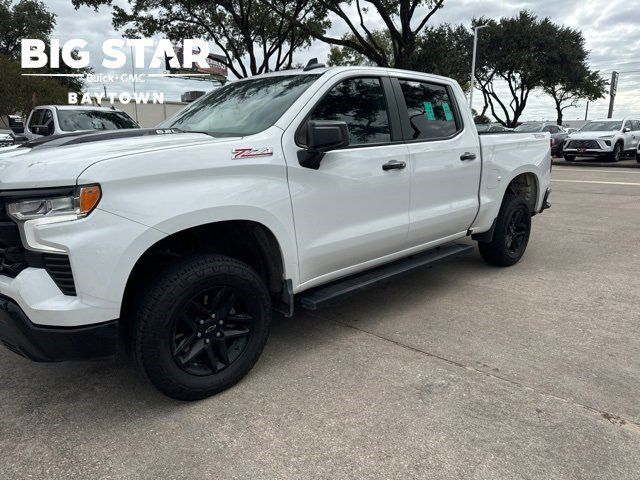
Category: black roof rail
<point>312,64</point>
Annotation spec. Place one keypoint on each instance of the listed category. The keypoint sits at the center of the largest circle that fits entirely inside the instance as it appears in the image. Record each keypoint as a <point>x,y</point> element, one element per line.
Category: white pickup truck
<point>295,187</point>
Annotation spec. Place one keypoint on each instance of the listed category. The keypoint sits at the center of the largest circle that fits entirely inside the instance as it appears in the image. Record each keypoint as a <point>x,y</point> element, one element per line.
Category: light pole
<point>473,62</point>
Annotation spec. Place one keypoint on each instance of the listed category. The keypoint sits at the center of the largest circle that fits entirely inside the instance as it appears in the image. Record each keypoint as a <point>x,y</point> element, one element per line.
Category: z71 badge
<point>249,152</point>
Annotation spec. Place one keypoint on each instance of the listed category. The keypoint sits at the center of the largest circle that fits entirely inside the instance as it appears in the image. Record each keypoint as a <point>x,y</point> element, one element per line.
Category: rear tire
<point>511,235</point>
<point>201,326</point>
<point>569,158</point>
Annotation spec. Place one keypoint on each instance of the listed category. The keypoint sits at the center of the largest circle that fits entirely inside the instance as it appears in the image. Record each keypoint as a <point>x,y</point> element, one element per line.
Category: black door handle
<point>394,165</point>
<point>467,156</point>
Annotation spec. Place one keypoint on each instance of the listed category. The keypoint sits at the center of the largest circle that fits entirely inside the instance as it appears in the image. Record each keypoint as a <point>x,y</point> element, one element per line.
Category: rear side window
<point>635,125</point>
<point>361,104</point>
<point>431,110</point>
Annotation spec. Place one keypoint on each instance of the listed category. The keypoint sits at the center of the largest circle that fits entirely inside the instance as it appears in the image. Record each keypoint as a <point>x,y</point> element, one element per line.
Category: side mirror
<point>41,130</point>
<point>322,136</point>
<point>626,130</point>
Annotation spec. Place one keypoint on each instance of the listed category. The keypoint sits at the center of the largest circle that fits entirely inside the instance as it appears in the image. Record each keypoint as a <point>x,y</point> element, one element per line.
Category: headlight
<point>33,212</point>
<point>71,207</point>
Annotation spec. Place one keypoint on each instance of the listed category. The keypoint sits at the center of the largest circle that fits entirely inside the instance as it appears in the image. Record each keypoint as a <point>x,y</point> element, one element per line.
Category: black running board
<point>314,298</point>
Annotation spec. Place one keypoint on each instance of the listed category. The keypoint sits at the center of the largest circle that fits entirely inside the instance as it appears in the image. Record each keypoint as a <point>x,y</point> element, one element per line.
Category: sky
<point>611,29</point>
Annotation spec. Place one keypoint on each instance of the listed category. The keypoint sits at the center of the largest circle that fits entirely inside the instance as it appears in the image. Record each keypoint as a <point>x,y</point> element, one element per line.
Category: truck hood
<point>58,161</point>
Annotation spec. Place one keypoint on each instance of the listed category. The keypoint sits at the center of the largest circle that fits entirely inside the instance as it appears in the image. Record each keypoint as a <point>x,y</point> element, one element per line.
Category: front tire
<point>511,235</point>
<point>616,155</point>
<point>201,326</point>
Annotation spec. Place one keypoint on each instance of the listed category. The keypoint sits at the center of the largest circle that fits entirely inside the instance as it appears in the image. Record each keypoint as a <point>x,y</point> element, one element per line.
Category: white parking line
<point>595,181</point>
<point>576,169</point>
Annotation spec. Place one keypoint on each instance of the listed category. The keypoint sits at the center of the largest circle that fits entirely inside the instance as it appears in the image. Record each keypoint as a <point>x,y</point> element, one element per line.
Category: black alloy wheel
<point>517,230</point>
<point>200,325</point>
<point>211,331</point>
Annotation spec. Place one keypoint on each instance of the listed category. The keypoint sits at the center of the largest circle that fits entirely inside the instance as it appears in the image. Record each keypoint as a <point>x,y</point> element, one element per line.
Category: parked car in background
<point>492,128</point>
<point>16,123</point>
<point>558,135</point>
<point>6,138</point>
<point>638,153</point>
<point>60,119</point>
<point>609,139</point>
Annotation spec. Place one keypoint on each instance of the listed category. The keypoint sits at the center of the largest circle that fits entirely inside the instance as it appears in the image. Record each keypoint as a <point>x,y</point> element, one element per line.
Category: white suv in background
<point>608,138</point>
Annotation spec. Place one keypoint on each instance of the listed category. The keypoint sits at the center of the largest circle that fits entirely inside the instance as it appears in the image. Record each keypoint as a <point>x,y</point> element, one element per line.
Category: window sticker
<point>428,111</point>
<point>447,112</point>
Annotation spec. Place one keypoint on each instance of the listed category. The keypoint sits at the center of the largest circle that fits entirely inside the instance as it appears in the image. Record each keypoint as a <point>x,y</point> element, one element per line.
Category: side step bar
<point>314,298</point>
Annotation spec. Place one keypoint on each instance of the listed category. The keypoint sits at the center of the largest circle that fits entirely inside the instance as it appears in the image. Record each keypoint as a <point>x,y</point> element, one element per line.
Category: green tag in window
<point>447,112</point>
<point>428,111</point>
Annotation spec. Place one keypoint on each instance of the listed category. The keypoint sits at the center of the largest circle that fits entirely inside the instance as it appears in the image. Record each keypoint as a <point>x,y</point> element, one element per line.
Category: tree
<point>25,19</point>
<point>21,94</point>
<point>251,35</point>
<point>18,93</point>
<point>521,53</point>
<point>342,56</point>
<point>446,51</point>
<point>591,86</point>
<point>397,16</point>
<point>569,82</point>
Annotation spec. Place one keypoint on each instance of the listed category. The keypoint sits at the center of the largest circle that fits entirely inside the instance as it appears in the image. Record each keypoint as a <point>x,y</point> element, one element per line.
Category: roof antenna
<point>313,63</point>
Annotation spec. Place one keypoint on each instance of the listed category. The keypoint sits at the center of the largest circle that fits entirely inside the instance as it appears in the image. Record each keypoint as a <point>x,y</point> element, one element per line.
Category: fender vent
<point>59,268</point>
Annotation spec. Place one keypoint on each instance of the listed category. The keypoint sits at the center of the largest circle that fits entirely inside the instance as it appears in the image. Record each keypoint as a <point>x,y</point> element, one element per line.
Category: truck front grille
<point>590,144</point>
<point>14,258</point>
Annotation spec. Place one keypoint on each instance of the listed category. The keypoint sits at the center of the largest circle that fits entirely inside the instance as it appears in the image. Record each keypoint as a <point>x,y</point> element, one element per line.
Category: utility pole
<point>586,112</point>
<point>473,63</point>
<point>613,89</point>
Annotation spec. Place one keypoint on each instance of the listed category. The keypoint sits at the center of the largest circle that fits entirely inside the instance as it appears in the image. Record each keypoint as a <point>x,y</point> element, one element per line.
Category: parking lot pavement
<point>458,371</point>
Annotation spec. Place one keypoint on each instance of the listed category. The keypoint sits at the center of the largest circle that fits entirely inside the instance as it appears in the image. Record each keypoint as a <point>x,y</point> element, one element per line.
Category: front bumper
<point>51,344</point>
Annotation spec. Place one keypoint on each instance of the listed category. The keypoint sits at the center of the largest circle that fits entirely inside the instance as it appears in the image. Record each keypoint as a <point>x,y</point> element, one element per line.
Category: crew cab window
<point>431,110</point>
<point>635,125</point>
<point>360,103</point>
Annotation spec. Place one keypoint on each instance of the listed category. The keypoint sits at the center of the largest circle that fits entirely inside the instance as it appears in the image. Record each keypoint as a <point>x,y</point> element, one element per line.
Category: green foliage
<point>25,19</point>
<point>252,36</point>
<point>20,94</point>
<point>528,53</point>
<point>446,51</point>
<point>28,19</point>
<point>343,56</point>
<point>391,46</point>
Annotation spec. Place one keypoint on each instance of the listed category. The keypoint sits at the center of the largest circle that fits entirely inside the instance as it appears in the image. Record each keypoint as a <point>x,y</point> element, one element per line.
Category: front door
<point>354,209</point>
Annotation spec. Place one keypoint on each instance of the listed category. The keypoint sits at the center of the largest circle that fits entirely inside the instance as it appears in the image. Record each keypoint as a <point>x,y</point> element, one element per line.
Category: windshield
<point>602,126</point>
<point>529,127</point>
<point>242,108</point>
<point>73,120</point>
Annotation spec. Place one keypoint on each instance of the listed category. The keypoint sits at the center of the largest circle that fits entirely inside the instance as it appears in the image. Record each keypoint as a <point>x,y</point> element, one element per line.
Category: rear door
<point>353,210</point>
<point>445,161</point>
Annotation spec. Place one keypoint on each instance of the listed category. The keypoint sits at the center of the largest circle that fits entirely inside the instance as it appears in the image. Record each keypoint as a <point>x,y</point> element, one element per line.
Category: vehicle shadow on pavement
<point>113,383</point>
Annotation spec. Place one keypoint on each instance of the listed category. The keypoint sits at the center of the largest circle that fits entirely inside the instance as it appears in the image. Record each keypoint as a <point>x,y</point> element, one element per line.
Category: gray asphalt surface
<point>459,371</point>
